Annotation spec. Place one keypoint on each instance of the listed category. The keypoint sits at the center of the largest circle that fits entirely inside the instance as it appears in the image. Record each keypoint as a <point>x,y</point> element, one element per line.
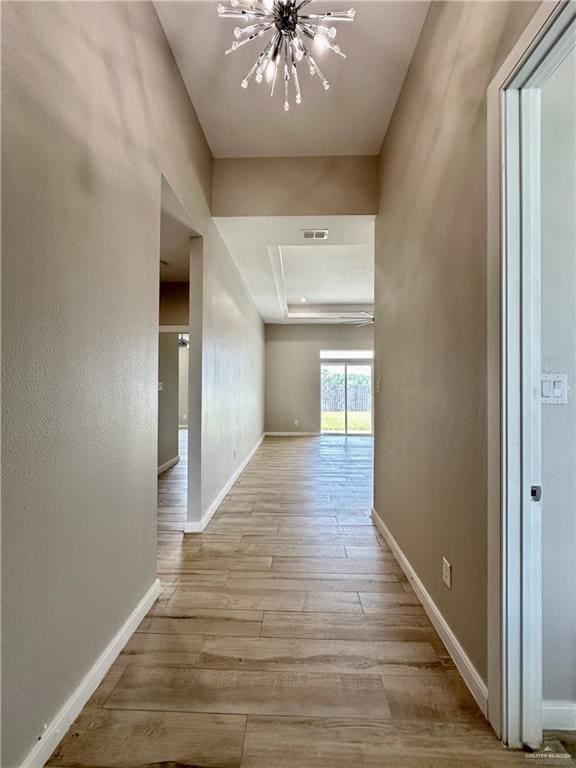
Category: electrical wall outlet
<point>296,422</point>
<point>447,573</point>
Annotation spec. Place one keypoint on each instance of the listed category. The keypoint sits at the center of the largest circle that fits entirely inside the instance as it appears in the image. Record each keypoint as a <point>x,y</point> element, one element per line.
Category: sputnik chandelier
<point>289,29</point>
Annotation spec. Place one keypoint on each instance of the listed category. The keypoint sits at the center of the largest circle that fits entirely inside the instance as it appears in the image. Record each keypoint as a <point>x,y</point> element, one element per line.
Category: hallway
<point>287,225</point>
<point>173,494</point>
<point>286,637</point>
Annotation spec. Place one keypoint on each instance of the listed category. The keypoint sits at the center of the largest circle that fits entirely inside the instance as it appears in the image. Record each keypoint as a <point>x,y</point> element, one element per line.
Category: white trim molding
<point>168,464</point>
<point>277,267</point>
<point>472,678</point>
<point>291,434</point>
<point>559,715</point>
<point>52,736</point>
<point>174,329</point>
<point>197,526</point>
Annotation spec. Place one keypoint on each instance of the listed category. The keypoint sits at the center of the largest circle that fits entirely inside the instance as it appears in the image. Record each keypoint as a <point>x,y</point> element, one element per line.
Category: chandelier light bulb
<point>290,27</point>
<point>330,32</point>
<point>270,69</point>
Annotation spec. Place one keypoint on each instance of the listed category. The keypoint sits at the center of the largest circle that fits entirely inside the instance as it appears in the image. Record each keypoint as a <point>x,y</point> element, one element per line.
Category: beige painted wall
<point>174,303</point>
<point>94,111</point>
<point>168,397</point>
<point>559,356</point>
<point>232,374</point>
<point>293,370</point>
<point>295,186</point>
<point>430,339</point>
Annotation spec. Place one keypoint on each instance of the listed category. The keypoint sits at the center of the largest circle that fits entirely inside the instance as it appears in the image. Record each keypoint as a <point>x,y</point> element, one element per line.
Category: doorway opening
<point>346,397</point>
<point>179,368</point>
<point>172,431</point>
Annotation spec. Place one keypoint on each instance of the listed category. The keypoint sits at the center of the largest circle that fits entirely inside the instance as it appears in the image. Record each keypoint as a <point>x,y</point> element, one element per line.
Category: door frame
<point>346,362</point>
<point>514,520</point>
<point>172,203</point>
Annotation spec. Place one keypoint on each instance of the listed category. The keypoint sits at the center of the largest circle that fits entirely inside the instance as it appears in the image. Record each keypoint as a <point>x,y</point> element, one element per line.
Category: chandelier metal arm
<point>230,13</point>
<point>331,16</point>
<point>260,63</point>
<point>239,32</point>
<point>325,41</point>
<point>238,44</point>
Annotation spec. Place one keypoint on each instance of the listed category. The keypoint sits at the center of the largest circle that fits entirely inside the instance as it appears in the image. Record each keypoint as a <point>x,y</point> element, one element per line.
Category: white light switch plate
<point>554,388</point>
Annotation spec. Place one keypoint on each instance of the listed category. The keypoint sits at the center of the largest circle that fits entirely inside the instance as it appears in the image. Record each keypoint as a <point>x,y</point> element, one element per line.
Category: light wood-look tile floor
<point>286,637</point>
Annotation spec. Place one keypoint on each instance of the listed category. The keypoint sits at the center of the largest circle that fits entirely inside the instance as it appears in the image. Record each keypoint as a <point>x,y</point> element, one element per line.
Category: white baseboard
<point>50,739</point>
<point>198,526</point>
<point>472,678</point>
<point>167,464</point>
<point>559,715</point>
<point>291,434</point>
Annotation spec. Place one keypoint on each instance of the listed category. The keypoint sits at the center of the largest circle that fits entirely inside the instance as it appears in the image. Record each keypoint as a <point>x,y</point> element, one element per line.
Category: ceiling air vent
<point>315,234</point>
